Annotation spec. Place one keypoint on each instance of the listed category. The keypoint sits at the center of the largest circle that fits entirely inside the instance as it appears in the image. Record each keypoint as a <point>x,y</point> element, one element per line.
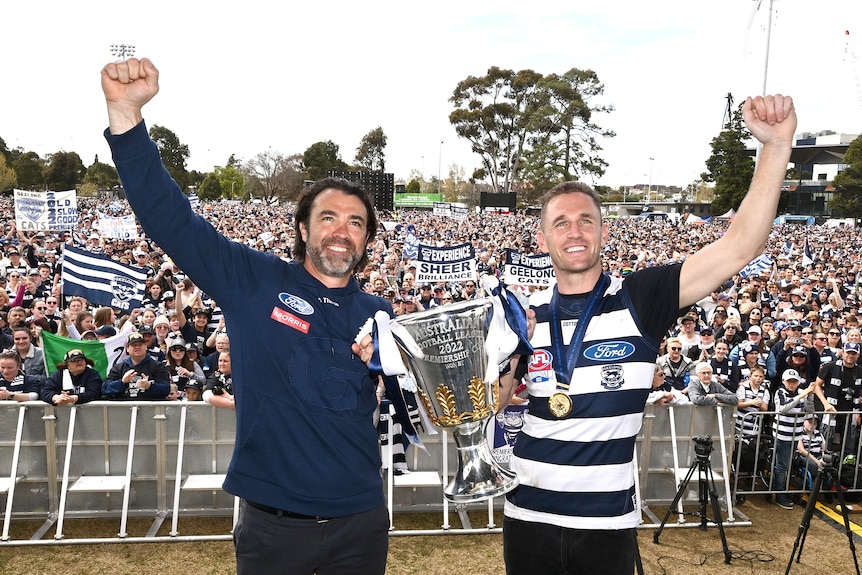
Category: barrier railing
<point>166,460</point>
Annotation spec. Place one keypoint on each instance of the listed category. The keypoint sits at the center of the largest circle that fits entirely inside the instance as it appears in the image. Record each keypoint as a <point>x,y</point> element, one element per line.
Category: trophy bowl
<point>450,381</point>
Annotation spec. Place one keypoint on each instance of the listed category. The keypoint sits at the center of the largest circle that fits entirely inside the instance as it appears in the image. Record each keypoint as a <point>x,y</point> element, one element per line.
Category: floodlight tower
<point>122,51</point>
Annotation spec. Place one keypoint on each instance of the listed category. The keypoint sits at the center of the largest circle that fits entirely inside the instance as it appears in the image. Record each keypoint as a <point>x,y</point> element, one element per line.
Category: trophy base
<point>478,476</point>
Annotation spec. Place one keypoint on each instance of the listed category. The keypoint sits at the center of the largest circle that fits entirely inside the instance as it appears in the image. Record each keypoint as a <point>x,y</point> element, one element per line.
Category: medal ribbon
<point>564,363</point>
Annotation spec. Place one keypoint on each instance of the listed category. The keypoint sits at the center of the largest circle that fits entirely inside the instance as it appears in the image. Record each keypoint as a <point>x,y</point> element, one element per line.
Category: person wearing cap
<point>197,329</point>
<point>15,385</point>
<point>706,391</point>
<point>152,345</point>
<point>139,376</point>
<point>765,356</point>
<point>724,302</point>
<point>706,346</point>
<point>811,445</point>
<point>805,360</point>
<point>162,327</point>
<point>687,334</point>
<point>838,387</point>
<point>790,405</point>
<point>74,382</point>
<point>15,265</point>
<point>182,369</point>
<point>426,296</point>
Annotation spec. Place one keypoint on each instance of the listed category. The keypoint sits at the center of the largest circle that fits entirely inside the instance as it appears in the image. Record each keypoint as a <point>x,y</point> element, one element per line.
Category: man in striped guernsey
<point>596,341</point>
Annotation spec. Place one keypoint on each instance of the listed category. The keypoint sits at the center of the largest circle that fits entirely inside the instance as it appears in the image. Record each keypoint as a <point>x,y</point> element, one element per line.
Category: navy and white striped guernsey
<point>576,470</point>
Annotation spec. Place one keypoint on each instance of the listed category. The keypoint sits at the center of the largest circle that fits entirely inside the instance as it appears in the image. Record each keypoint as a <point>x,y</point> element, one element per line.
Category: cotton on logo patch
<point>541,361</point>
<point>290,320</point>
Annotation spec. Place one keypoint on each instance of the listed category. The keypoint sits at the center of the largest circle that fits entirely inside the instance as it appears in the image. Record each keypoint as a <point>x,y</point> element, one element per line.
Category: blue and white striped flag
<point>787,248</point>
<point>760,264</point>
<point>194,201</point>
<point>807,257</point>
<point>102,281</point>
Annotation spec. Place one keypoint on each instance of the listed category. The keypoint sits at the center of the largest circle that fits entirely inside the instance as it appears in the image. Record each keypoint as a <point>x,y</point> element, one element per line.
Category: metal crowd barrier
<point>121,460</point>
<point>754,456</point>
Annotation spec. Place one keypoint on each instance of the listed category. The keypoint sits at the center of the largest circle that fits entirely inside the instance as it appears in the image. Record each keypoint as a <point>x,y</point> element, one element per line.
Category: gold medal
<point>560,404</point>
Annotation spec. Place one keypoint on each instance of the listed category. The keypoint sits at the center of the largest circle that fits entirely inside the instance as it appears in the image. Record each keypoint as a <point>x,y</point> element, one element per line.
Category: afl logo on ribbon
<point>609,351</point>
<point>297,304</point>
<point>541,361</point>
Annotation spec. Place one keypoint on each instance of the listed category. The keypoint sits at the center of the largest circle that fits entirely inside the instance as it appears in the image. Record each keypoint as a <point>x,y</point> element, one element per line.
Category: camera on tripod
<point>703,446</point>
<point>830,459</point>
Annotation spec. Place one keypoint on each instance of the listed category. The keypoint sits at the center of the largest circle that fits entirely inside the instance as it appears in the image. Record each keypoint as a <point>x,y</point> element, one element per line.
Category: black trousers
<point>532,548</point>
<point>270,544</point>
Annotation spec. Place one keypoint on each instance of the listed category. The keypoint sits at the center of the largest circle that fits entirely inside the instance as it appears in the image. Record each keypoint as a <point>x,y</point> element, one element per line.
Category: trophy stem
<point>478,476</point>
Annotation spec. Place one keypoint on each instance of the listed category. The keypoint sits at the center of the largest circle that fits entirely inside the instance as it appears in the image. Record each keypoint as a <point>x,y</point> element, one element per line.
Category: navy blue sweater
<point>305,439</point>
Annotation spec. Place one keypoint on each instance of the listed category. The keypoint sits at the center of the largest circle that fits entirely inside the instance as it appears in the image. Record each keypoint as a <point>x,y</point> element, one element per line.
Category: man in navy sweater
<point>305,461</point>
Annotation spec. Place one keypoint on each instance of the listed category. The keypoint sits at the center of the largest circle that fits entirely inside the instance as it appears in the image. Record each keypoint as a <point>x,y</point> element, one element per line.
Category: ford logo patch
<point>297,304</point>
<point>609,351</point>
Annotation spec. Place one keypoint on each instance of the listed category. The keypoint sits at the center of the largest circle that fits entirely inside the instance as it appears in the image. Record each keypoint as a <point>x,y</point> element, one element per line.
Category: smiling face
<point>336,235</point>
<point>573,233</point>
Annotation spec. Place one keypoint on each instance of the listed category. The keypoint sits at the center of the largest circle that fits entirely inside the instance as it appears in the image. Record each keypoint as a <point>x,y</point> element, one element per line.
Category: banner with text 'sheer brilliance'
<point>46,211</point>
<point>450,263</point>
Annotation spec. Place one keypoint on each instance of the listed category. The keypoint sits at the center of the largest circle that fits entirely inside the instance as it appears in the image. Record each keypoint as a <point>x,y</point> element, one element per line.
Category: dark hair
<point>11,355</point>
<point>303,213</point>
<point>566,188</point>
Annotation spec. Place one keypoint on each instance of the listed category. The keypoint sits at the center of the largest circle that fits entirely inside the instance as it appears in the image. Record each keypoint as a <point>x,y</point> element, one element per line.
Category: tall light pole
<point>122,51</point>
<point>649,191</point>
<point>440,168</point>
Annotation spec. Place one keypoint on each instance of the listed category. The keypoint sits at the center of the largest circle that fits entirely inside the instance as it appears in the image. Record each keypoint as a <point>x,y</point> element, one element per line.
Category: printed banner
<point>121,228</point>
<point>44,211</point>
<point>453,263</point>
<point>102,281</point>
<point>520,269</point>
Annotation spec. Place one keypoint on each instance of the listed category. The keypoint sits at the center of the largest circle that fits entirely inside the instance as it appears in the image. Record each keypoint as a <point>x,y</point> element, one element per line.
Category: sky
<point>248,77</point>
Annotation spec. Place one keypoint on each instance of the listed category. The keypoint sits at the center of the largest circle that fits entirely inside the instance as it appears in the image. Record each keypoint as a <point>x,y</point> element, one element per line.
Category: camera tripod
<point>706,489</point>
<point>826,471</point>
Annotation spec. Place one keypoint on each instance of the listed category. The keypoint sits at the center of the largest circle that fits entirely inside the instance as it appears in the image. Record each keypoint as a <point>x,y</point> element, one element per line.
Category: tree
<point>370,154</point>
<point>64,171</point>
<point>174,154</point>
<point>280,177</point>
<point>413,187</point>
<point>730,166</point>
<point>28,167</point>
<point>847,200</point>
<point>210,188</point>
<point>493,112</point>
<point>103,176</point>
<point>8,179</point>
<point>321,157</point>
<point>563,143</point>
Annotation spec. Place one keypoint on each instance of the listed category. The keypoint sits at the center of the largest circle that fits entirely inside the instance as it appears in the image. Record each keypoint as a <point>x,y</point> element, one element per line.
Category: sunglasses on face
<point>675,348</point>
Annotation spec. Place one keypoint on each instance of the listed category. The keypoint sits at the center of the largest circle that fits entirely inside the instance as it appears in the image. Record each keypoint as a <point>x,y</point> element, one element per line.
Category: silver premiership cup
<point>451,387</point>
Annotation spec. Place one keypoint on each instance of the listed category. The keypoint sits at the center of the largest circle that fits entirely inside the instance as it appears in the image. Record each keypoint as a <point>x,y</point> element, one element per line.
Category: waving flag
<point>101,280</point>
<point>760,264</point>
<point>104,353</point>
<point>807,258</point>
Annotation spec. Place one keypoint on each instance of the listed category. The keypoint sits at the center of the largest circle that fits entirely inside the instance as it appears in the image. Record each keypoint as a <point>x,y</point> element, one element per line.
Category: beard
<point>332,264</point>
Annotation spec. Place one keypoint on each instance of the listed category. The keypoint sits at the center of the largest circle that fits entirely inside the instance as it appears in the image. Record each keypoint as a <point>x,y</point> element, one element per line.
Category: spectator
<point>789,402</point>
<point>32,358</point>
<point>678,369</point>
<point>708,392</point>
<point>182,369</point>
<point>218,390</point>
<point>139,376</point>
<point>74,382</point>
<point>14,384</point>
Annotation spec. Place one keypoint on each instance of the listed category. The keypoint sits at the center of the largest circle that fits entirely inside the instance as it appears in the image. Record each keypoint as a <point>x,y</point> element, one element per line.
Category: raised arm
<point>772,120</point>
<point>128,86</point>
